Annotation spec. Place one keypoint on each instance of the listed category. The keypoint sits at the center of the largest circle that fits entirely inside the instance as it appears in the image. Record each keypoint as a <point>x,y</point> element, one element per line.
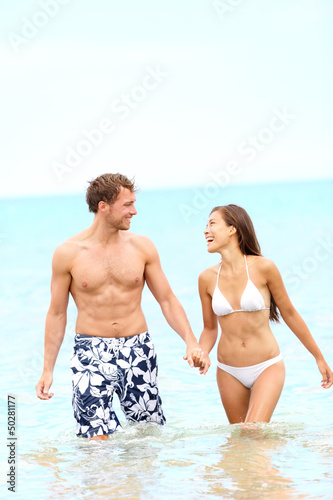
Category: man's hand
<point>43,386</point>
<point>198,358</point>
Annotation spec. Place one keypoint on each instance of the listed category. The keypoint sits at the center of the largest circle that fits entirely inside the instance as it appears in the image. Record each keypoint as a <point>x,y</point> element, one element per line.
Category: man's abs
<point>111,326</point>
<point>110,312</point>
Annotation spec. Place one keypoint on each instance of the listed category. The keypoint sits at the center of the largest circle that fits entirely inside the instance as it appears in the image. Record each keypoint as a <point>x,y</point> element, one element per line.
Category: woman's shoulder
<point>261,263</point>
<point>209,273</point>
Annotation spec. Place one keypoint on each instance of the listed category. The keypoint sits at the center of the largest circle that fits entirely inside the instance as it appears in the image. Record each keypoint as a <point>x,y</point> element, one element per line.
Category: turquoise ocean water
<point>197,455</point>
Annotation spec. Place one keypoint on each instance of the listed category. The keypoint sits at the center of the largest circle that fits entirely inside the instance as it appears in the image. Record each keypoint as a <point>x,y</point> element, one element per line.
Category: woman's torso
<point>246,338</point>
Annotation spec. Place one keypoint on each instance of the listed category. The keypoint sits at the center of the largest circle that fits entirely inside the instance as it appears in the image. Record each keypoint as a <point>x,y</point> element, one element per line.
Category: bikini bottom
<point>247,375</point>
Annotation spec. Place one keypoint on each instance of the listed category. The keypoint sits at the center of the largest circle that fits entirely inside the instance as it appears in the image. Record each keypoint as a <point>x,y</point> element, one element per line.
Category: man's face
<point>120,213</point>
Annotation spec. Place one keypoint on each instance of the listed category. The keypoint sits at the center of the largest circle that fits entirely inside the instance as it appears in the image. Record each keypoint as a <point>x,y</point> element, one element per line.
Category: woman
<point>242,293</point>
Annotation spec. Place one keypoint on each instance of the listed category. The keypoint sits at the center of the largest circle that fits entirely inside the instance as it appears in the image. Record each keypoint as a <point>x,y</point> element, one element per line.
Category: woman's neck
<point>232,258</point>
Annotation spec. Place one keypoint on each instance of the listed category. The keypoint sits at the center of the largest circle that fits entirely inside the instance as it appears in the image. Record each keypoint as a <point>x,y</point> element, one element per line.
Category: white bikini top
<point>251,300</point>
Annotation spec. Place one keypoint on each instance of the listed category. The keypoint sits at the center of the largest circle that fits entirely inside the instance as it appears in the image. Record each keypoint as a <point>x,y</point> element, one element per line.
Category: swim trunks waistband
<point>140,336</point>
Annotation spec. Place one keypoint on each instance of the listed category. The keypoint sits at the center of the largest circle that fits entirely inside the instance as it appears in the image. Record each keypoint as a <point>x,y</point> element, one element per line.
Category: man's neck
<point>103,233</point>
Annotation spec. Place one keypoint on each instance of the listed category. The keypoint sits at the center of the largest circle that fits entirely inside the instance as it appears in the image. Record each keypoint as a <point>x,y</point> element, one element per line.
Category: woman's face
<point>217,232</point>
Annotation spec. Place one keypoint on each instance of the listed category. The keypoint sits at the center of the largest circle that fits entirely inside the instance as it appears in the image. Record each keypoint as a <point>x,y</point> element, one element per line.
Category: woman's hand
<point>201,360</point>
<point>326,372</point>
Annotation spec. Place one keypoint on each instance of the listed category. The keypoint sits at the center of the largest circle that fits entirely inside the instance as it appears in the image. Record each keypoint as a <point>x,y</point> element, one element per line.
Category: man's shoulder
<point>143,246</point>
<point>141,241</point>
<point>69,248</point>
<point>78,237</point>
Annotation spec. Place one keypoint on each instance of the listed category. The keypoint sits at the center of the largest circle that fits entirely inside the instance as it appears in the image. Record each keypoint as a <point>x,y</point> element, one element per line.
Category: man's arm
<point>56,319</point>
<point>171,307</point>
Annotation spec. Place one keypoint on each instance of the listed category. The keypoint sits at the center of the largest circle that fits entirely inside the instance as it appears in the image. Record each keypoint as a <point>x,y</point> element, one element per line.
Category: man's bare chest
<point>93,270</point>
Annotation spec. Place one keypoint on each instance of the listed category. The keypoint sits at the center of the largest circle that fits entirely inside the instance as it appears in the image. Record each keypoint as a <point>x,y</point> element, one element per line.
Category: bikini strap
<point>248,277</point>
<point>218,274</point>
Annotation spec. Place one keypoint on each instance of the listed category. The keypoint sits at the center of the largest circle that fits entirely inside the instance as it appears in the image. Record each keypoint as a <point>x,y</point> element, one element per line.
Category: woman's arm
<point>209,333</point>
<point>295,322</point>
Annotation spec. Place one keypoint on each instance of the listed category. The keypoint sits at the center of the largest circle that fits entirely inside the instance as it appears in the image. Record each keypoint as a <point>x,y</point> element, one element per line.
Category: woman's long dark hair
<point>236,216</point>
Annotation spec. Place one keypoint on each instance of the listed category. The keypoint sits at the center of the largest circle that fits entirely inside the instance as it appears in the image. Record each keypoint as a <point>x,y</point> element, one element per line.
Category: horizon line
<point>171,188</point>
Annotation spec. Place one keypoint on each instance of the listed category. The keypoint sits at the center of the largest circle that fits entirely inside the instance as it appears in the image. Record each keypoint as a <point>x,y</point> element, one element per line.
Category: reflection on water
<point>233,462</point>
<point>244,467</point>
<point>117,468</point>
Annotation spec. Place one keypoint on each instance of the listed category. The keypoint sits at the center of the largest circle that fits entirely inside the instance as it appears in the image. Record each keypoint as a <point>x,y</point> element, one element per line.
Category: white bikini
<point>251,301</point>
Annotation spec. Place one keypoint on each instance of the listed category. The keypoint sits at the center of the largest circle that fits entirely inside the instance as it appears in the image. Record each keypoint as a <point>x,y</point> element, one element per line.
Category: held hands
<point>43,386</point>
<point>198,358</point>
<point>326,372</point>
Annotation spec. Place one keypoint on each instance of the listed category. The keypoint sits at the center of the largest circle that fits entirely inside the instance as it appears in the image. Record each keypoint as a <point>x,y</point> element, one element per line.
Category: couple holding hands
<point>105,268</point>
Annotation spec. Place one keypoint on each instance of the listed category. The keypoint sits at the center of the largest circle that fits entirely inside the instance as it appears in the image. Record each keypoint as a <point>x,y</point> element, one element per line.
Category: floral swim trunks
<point>102,366</point>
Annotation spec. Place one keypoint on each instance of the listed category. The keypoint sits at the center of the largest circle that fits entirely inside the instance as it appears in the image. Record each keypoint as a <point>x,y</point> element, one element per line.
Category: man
<point>105,268</point>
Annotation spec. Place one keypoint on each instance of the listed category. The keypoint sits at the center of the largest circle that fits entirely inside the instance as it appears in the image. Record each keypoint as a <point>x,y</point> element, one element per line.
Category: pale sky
<point>182,92</point>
